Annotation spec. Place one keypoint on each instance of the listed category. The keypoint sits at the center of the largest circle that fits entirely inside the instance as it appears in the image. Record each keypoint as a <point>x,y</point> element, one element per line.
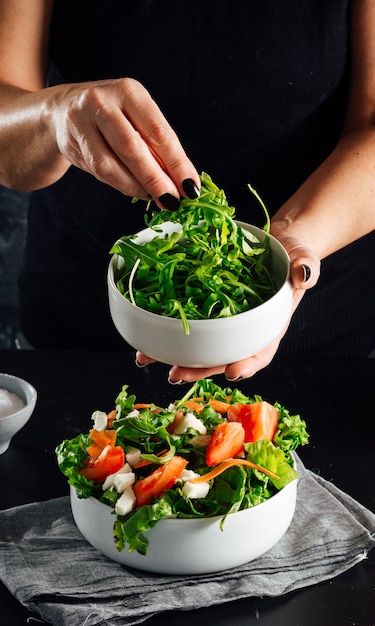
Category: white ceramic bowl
<point>210,342</point>
<point>11,424</point>
<point>192,546</point>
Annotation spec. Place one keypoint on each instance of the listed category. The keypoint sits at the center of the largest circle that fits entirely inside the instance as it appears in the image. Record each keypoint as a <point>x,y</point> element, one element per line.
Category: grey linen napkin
<point>50,568</point>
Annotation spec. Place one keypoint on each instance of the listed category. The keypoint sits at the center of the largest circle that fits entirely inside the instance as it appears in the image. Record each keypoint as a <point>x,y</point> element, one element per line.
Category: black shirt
<point>256,92</point>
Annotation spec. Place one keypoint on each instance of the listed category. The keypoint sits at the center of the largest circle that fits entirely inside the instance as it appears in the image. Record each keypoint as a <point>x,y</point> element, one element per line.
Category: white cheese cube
<point>133,456</point>
<point>189,421</point>
<point>110,480</point>
<point>123,481</point>
<point>100,420</point>
<point>126,502</point>
<point>188,475</point>
<point>198,490</point>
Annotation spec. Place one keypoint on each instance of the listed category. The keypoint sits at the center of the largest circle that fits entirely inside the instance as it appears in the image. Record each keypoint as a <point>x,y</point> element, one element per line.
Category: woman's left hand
<point>304,274</point>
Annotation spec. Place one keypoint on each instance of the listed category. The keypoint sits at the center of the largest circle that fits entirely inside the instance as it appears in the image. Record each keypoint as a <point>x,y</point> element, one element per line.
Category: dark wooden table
<point>335,397</point>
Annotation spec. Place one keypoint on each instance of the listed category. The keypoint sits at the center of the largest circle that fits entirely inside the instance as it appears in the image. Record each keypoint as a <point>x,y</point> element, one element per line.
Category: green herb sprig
<point>210,268</point>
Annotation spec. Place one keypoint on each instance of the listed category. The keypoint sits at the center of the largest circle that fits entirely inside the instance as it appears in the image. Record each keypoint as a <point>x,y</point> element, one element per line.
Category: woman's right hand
<point>114,130</point>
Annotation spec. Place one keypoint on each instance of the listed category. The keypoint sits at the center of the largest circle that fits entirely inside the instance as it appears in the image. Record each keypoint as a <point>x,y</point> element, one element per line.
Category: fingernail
<point>306,273</point>
<point>138,364</point>
<point>175,382</point>
<point>169,202</point>
<point>190,188</point>
<point>235,380</point>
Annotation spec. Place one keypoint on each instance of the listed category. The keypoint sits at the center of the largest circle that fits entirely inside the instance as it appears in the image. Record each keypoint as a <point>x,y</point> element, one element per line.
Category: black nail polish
<point>190,188</point>
<point>169,202</point>
<point>306,273</point>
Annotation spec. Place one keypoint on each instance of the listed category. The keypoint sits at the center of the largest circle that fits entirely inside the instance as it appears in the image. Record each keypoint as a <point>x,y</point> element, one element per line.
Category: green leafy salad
<point>214,452</point>
<point>210,268</point>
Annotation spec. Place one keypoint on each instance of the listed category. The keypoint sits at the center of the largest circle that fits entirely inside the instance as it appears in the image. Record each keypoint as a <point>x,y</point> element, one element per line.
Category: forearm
<point>336,204</point>
<point>29,155</point>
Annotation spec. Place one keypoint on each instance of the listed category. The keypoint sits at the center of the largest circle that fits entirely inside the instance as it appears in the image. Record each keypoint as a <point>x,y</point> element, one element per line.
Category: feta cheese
<point>133,413</point>
<point>188,475</point>
<point>190,421</point>
<point>133,456</point>
<point>123,481</point>
<point>110,480</point>
<point>126,502</point>
<point>100,420</point>
<point>198,490</point>
<point>192,490</point>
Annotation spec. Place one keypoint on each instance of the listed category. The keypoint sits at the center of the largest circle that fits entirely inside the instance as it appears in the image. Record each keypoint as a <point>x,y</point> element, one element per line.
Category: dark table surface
<point>335,397</point>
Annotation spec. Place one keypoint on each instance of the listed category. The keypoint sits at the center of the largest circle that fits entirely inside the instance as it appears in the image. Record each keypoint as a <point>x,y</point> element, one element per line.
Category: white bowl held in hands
<point>192,546</point>
<point>211,342</point>
<point>12,423</point>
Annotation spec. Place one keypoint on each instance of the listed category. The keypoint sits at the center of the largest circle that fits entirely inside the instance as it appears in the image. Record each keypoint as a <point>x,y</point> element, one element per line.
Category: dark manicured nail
<point>169,202</point>
<point>306,273</point>
<point>190,188</point>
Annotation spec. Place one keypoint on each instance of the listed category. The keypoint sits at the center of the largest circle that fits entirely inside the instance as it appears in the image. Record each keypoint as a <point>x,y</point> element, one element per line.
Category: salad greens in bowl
<point>205,484</point>
<point>198,288</point>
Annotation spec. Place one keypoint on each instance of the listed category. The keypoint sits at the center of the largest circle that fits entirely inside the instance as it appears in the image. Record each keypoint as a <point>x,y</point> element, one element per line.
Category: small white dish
<point>10,424</point>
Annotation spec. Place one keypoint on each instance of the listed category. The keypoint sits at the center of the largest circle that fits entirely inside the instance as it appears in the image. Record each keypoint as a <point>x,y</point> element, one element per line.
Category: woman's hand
<point>304,274</point>
<point>114,130</point>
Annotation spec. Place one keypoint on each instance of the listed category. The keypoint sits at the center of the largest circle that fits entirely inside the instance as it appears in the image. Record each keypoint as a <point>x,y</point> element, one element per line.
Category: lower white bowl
<point>192,546</point>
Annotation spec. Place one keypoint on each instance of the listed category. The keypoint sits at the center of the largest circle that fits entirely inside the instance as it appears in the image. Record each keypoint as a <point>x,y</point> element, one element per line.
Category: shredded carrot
<point>194,405</point>
<point>219,469</point>
<point>111,416</point>
<point>103,437</point>
<point>141,405</point>
<point>94,450</point>
<point>145,463</point>
<point>100,439</point>
<point>218,405</point>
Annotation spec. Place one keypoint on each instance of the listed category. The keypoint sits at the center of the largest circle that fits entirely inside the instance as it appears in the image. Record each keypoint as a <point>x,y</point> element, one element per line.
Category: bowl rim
<point>28,402</point>
<point>218,321</point>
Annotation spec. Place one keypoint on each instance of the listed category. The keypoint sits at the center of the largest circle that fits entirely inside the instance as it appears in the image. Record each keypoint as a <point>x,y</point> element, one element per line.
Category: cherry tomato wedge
<point>108,462</point>
<point>259,419</point>
<point>163,478</point>
<point>226,442</point>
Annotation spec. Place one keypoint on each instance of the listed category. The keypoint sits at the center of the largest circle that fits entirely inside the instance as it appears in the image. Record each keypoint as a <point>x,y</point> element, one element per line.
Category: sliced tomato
<point>259,419</point>
<point>163,478</point>
<point>108,462</point>
<point>226,442</point>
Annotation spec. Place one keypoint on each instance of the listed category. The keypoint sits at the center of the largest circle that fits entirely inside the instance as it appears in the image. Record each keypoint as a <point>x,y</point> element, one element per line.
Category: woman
<point>142,96</point>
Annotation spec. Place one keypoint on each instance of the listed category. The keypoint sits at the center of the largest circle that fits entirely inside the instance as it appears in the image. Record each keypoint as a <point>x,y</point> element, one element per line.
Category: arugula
<point>210,268</point>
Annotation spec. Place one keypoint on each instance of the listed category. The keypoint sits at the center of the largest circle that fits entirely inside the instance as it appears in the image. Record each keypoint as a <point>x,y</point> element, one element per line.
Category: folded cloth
<point>50,568</point>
